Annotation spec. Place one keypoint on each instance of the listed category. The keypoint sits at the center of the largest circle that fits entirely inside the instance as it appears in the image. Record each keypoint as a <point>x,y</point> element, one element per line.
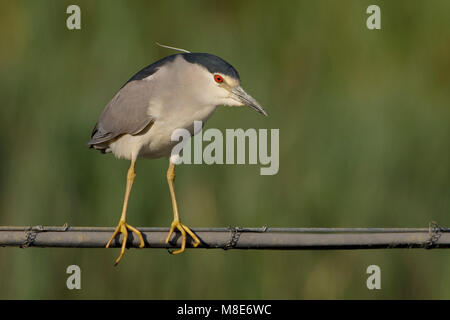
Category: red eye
<point>218,78</point>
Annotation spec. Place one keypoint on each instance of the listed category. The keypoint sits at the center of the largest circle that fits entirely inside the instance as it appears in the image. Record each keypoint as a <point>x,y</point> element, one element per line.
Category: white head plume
<point>173,48</point>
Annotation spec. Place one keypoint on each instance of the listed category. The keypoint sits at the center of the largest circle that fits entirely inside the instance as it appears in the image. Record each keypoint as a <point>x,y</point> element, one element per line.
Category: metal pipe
<point>234,238</point>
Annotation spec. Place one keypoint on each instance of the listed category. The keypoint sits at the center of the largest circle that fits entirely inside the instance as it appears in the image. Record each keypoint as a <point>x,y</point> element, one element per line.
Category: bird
<point>169,94</point>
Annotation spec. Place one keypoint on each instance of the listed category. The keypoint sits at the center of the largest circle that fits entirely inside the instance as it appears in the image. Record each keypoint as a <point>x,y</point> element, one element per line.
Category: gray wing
<point>126,113</point>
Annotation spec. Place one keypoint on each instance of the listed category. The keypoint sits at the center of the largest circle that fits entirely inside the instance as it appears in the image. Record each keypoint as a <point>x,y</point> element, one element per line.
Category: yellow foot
<point>176,224</point>
<point>122,228</point>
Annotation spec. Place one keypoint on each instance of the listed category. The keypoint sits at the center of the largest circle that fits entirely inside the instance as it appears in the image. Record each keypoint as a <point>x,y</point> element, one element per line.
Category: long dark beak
<point>243,97</point>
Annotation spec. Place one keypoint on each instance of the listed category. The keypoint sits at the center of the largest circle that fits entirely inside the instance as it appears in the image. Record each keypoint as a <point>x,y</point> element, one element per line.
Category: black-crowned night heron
<point>167,95</point>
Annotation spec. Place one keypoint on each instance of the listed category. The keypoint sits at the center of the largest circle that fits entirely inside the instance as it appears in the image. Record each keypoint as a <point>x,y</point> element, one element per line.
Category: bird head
<point>220,83</point>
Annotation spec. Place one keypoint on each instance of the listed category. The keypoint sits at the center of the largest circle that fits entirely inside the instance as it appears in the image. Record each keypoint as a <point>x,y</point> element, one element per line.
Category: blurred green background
<point>364,119</point>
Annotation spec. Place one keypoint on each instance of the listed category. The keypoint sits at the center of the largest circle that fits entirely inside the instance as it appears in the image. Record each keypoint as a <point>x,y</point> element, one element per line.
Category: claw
<point>122,228</point>
<point>183,230</point>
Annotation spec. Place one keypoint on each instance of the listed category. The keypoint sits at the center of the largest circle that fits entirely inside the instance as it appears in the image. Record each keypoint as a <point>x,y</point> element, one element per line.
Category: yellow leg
<point>123,226</point>
<point>176,224</point>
